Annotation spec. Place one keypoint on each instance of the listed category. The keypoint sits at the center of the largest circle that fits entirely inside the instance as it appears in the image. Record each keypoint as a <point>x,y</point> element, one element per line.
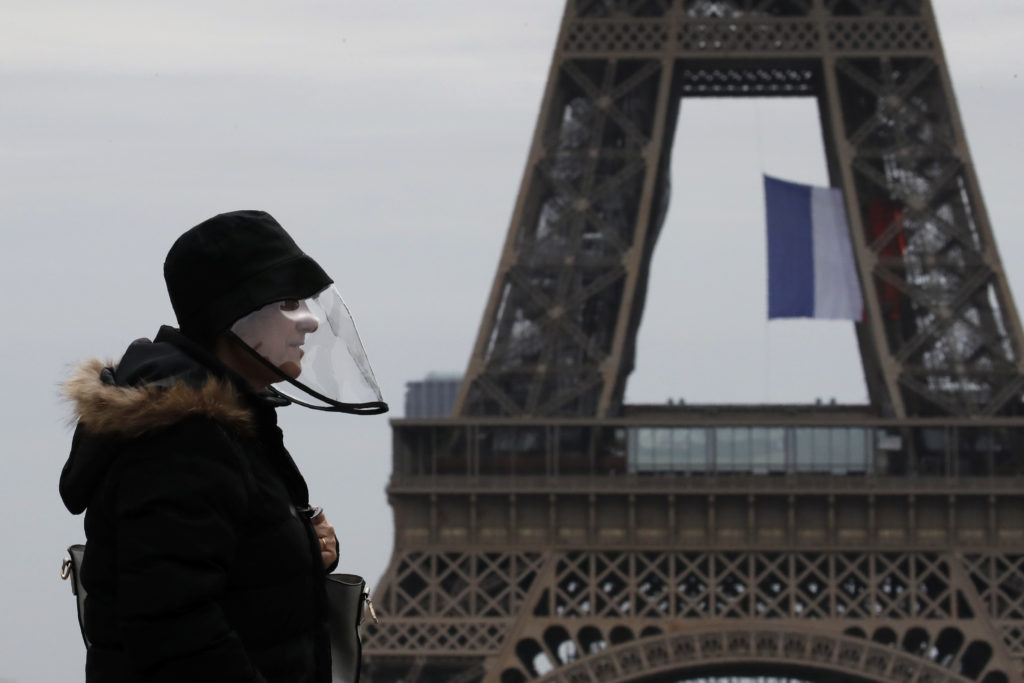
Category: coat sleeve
<point>180,496</point>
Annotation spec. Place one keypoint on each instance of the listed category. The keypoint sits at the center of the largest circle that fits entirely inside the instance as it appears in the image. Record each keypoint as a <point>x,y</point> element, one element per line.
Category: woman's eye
<point>290,305</point>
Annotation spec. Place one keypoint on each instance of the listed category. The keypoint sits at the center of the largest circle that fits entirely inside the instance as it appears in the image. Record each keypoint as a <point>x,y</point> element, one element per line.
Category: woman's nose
<point>307,323</point>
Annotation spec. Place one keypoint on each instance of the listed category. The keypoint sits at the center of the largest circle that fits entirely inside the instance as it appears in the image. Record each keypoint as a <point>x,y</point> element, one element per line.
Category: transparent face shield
<point>311,350</point>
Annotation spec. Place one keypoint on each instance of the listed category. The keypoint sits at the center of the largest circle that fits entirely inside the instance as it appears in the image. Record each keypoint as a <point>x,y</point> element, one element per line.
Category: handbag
<point>71,569</point>
<point>346,594</point>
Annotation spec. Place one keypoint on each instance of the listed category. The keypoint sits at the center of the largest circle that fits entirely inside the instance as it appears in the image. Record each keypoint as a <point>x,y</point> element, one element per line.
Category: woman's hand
<point>327,538</point>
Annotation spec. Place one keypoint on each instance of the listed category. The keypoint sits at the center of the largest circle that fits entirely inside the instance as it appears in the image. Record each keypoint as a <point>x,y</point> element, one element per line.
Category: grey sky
<point>389,137</point>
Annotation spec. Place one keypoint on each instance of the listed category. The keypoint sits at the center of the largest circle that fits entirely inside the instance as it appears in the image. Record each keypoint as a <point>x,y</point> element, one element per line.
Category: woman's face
<point>277,332</point>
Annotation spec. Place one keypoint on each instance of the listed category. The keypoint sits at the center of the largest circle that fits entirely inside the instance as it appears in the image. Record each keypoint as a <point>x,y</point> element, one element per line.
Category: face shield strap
<point>333,406</point>
<point>375,408</point>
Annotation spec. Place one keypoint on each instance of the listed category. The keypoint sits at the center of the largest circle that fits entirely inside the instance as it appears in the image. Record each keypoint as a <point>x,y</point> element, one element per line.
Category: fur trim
<point>131,411</point>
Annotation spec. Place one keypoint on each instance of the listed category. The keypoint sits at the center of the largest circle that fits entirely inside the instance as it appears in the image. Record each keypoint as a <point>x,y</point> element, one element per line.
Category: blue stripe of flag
<point>790,249</point>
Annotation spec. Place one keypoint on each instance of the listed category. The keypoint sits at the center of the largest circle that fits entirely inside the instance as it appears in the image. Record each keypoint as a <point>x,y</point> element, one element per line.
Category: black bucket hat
<point>232,264</point>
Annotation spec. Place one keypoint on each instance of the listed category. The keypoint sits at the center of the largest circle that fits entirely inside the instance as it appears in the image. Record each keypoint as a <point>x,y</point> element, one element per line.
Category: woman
<point>205,561</point>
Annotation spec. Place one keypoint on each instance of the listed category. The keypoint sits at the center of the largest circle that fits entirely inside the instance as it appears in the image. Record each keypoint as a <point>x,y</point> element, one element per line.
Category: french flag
<point>811,272</point>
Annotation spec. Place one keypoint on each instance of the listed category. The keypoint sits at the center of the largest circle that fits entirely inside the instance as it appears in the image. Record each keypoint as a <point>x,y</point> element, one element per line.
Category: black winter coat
<point>201,564</point>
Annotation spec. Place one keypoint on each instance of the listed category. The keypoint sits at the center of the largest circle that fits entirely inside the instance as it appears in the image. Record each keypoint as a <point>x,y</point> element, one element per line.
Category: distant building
<point>433,396</point>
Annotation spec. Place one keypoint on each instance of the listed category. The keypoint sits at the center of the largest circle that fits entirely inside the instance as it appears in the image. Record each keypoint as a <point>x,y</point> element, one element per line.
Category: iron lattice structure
<point>547,532</point>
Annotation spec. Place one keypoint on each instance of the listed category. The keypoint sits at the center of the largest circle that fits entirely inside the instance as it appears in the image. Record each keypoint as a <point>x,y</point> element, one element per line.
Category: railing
<point>725,485</point>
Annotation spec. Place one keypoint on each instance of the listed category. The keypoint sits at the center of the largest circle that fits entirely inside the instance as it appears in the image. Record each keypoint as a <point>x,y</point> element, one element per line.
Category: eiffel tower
<point>549,532</point>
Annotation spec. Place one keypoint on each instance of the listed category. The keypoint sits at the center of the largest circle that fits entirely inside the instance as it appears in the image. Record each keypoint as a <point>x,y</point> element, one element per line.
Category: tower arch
<point>801,653</point>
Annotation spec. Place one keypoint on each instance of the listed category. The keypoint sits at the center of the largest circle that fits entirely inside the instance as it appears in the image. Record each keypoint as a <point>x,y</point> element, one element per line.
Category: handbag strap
<point>71,569</point>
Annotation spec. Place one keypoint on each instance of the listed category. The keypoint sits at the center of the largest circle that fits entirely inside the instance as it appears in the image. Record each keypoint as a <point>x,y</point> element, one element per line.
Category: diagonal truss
<point>592,601</point>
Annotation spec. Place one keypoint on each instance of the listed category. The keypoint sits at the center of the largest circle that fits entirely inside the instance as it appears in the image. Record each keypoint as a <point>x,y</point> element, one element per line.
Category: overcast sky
<point>389,137</point>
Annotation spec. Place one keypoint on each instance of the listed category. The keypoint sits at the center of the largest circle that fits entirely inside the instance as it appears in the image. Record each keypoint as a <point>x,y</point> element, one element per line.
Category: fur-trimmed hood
<point>155,385</point>
<point>103,407</point>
